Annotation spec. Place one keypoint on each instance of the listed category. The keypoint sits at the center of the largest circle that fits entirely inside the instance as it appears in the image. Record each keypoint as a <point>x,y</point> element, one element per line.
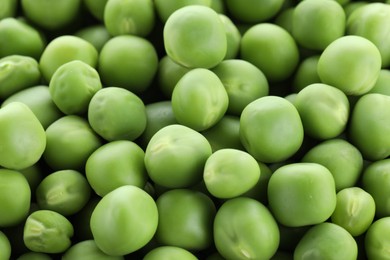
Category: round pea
<point>306,73</point>
<point>22,137</point>
<point>117,114</point>
<point>229,173</point>
<point>165,8</point>
<point>96,8</point>
<point>355,210</point>
<point>87,250</point>
<point>377,239</point>
<point>97,35</point>
<point>5,246</point>
<point>64,191</point>
<point>301,194</point>
<point>115,164</point>
<point>34,256</point>
<point>199,99</point>
<point>124,220</point>
<point>169,252</point>
<point>9,8</point>
<point>382,84</point>
<point>233,37</point>
<point>72,86</point>
<point>245,229</point>
<point>271,129</point>
<point>350,63</point>
<point>252,11</point>
<point>194,36</point>
<point>327,241</point>
<point>185,219</point>
<point>175,156</point>
<point>47,231</point>
<point>14,209</point>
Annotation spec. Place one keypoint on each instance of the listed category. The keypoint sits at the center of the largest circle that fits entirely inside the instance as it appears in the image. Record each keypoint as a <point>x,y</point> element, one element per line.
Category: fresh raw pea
<point>63,49</point>
<point>252,12</point>
<point>34,256</point>
<point>115,164</point>
<point>169,252</point>
<point>326,241</point>
<point>323,109</point>
<point>381,86</point>
<point>17,72</point>
<point>19,38</point>
<point>271,129</point>
<point>34,175</point>
<point>73,85</point>
<point>5,247</point>
<point>47,231</point>
<point>175,156</point>
<point>96,8</point>
<point>345,60</point>
<point>70,141</point>
<point>87,250</point>
<point>51,15</point>
<point>8,8</point>
<point>369,126</point>
<point>270,48</point>
<point>117,114</point>
<point>233,37</point>
<point>218,6</point>
<point>341,158</point>
<point>22,137</point>
<point>194,36</point>
<point>259,191</point>
<point>306,73</point>
<point>355,210</point>
<point>97,35</point>
<point>377,242</point>
<point>64,191</point>
<point>370,22</point>
<point>318,23</point>
<point>124,220</point>
<point>199,99</point>
<point>165,8</point>
<point>301,194</point>
<point>14,209</point>
<point>128,61</point>
<point>185,219</point>
<point>82,219</point>
<point>134,17</point>
<point>229,173</point>
<point>39,100</point>
<point>245,229</point>
<point>243,82</point>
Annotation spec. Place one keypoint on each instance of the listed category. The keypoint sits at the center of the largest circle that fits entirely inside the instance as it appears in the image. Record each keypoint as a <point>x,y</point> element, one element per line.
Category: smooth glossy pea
<point>97,35</point>
<point>96,8</point>
<point>233,37</point>
<point>377,239</point>
<point>34,256</point>
<point>87,250</point>
<point>252,12</point>
<point>306,73</point>
<point>5,246</point>
<point>169,252</point>
<point>9,8</point>
<point>165,8</point>
<point>382,85</point>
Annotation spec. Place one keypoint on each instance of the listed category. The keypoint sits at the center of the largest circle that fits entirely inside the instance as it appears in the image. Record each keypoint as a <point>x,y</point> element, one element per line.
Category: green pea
<point>70,141</point>
<point>185,219</point>
<point>382,86</point>
<point>51,15</point>
<point>252,11</point>
<point>199,99</point>
<point>115,164</point>
<point>5,246</point>
<point>342,159</point>
<point>355,210</point>
<point>169,252</point>
<point>284,19</point>
<point>271,129</point>
<point>64,191</point>
<point>306,73</point>
<point>22,137</point>
<point>97,35</point>
<point>301,194</point>
<point>245,229</point>
<point>377,239</point>
<point>324,110</point>
<point>352,6</point>
<point>318,23</point>
<point>124,220</point>
<point>17,72</point>
<point>326,241</point>
<point>243,82</point>
<point>369,22</point>
<point>63,49</point>
<point>165,8</point>
<point>117,114</point>
<point>369,126</point>
<point>272,49</point>
<point>175,156</point>
<point>34,175</point>
<point>72,86</point>
<point>350,63</point>
<point>233,37</point>
<point>259,191</point>
<point>19,38</point>
<point>47,231</point>
<point>87,250</point>
<point>194,36</point>
<point>81,220</point>
<point>96,8</point>
<point>128,61</point>
<point>8,8</point>
<point>34,256</point>
<point>134,17</point>
<point>39,100</point>
<point>218,6</point>
<point>229,173</point>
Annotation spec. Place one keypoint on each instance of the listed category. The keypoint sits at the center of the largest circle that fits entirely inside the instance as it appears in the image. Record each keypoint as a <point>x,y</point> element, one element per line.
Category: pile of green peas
<point>194,129</point>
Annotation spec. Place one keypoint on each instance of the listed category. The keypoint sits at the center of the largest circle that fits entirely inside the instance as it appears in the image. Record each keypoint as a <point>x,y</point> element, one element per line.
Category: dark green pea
<point>5,246</point>
<point>34,256</point>
<point>97,35</point>
<point>96,8</point>
<point>9,8</point>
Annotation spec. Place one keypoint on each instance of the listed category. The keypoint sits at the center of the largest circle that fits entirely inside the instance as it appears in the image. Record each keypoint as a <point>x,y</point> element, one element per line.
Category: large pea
<point>165,8</point>
<point>96,8</point>
<point>9,8</point>
<point>252,11</point>
<point>5,246</point>
<point>169,252</point>
<point>87,250</point>
<point>377,239</point>
<point>97,35</point>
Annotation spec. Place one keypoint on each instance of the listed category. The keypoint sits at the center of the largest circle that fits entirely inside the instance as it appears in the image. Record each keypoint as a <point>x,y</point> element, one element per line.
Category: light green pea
<point>34,256</point>
<point>233,37</point>
<point>284,19</point>
<point>382,84</point>
<point>199,99</point>
<point>87,250</point>
<point>64,191</point>
<point>5,246</point>
<point>97,35</point>
<point>72,86</point>
<point>259,191</point>
<point>377,240</point>
<point>17,72</point>
<point>96,8</point>
<point>306,73</point>
<point>169,252</point>
<point>117,114</point>
<point>165,8</point>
